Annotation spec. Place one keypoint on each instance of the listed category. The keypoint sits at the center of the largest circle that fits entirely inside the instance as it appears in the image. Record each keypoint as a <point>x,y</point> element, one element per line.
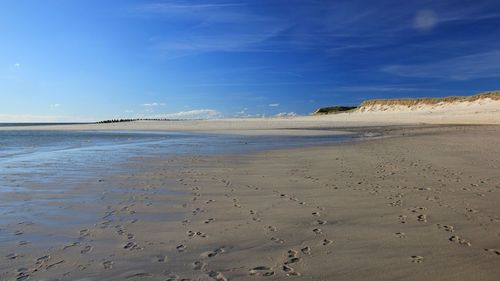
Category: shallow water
<point>40,155</point>
<point>42,172</point>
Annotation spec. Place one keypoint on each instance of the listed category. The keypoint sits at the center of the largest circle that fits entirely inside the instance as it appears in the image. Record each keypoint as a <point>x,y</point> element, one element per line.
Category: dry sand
<point>482,111</point>
<point>423,206</point>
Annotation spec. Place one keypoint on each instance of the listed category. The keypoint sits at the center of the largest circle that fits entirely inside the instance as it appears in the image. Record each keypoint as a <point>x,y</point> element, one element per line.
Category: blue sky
<point>84,60</point>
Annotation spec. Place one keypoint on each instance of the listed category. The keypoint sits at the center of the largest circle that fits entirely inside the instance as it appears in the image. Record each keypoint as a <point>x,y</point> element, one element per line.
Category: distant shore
<point>480,109</point>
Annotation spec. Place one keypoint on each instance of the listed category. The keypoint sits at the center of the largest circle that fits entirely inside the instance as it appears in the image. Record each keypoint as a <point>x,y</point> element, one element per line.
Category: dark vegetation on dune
<point>132,120</point>
<point>495,95</point>
<point>333,109</point>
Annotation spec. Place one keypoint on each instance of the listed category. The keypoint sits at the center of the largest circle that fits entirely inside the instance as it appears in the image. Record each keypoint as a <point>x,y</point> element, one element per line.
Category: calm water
<point>40,169</point>
<point>54,152</point>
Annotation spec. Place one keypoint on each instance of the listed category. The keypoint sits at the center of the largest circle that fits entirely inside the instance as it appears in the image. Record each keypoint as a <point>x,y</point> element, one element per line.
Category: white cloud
<point>274,104</point>
<point>17,64</point>
<point>425,20</point>
<point>55,105</point>
<point>243,111</point>
<point>286,114</point>
<point>192,114</point>
<point>153,104</point>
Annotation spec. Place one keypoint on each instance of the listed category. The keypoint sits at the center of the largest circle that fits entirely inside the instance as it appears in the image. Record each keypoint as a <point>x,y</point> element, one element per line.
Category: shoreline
<point>420,203</point>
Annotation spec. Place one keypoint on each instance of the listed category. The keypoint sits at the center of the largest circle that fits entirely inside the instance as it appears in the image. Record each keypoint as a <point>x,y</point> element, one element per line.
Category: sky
<point>90,60</point>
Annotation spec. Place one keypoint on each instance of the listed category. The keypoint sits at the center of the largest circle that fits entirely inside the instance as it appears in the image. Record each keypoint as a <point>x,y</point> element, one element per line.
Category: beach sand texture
<point>423,206</point>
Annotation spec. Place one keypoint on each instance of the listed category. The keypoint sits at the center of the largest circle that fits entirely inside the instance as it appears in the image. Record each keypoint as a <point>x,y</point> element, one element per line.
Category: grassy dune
<point>430,101</point>
<point>409,102</point>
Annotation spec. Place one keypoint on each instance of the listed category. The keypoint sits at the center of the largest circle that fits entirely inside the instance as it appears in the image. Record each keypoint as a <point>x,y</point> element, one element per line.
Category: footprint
<point>271,228</point>
<point>317,231</point>
<point>316,214</point>
<point>84,233</point>
<point>448,228</point>
<point>213,253</point>
<point>107,264</point>
<point>54,264</point>
<point>289,271</point>
<point>217,276</point>
<point>86,249</point>
<point>306,250</point>
<point>422,218</point>
<point>130,246</point>
<point>469,210</point>
<point>417,259</point>
<point>22,274</point>
<point>18,232</point>
<point>292,253</point>
<point>400,234</point>
<point>199,265</point>
<point>161,258</point>
<point>43,259</point>
<point>261,271</point>
<point>181,248</point>
<point>12,256</point>
<point>417,209</point>
<point>292,260</point>
<point>494,251</point>
<point>277,240</point>
<point>402,218</point>
<point>459,240</point>
<point>321,222</point>
<point>327,242</point>
<point>70,245</point>
<point>209,220</point>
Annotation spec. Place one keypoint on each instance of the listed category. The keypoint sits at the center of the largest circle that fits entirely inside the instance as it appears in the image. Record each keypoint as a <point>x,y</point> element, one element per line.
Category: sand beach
<point>404,201</point>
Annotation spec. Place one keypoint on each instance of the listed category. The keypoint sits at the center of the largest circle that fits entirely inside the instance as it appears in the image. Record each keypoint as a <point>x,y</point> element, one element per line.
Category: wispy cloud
<point>192,114</point>
<point>55,105</point>
<point>211,27</point>
<point>258,84</point>
<point>274,104</point>
<point>482,65</point>
<point>383,88</point>
<point>153,104</point>
<point>286,114</point>
<point>327,27</point>
<point>207,13</point>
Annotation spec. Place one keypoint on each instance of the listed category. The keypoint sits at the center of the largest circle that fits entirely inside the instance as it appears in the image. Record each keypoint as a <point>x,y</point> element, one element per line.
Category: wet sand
<point>421,204</point>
